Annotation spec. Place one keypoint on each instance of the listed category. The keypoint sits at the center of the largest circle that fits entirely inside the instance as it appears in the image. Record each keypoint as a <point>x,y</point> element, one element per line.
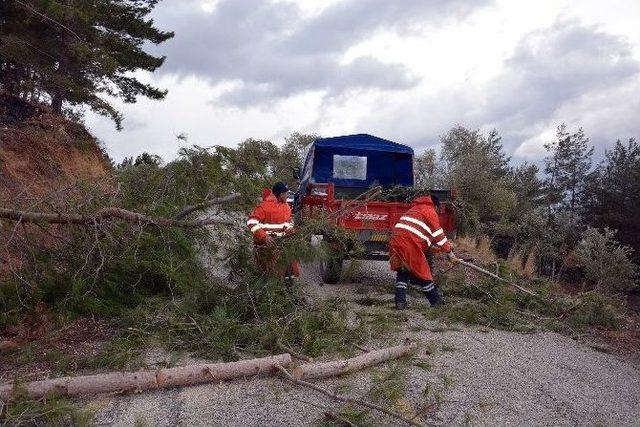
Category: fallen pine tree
<point>110,213</point>
<point>189,375</point>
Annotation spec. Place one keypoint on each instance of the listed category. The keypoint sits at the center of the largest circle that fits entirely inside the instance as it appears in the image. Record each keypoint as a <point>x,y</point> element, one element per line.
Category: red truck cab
<point>338,170</point>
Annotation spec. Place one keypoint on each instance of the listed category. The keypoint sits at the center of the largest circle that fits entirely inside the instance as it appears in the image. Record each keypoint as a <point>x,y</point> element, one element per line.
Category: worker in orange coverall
<point>417,230</point>
<point>271,220</point>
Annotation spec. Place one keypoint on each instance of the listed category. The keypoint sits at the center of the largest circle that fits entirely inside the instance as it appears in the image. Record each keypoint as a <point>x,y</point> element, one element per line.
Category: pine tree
<point>528,189</point>
<point>552,169</point>
<point>567,168</point>
<point>612,198</point>
<point>575,162</point>
<point>69,52</point>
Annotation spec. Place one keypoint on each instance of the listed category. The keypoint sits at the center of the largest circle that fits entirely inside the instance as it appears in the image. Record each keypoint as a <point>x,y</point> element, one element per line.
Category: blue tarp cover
<point>363,141</point>
<point>387,163</point>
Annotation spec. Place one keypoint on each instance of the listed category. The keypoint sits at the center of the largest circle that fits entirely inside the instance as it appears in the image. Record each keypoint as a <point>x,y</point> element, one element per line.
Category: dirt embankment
<point>47,163</point>
<point>41,153</point>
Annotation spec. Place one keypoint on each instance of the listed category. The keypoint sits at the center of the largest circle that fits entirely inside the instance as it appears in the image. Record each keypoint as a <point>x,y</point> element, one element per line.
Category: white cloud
<point>248,68</point>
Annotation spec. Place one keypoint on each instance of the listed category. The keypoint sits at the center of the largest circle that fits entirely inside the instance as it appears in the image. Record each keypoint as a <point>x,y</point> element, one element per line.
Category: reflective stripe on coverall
<point>417,230</point>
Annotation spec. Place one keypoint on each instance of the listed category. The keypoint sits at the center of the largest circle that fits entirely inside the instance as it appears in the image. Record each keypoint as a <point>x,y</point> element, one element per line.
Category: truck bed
<point>372,222</point>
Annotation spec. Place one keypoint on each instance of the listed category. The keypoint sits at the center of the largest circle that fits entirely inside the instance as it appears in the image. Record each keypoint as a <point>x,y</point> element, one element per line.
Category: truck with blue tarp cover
<point>338,169</point>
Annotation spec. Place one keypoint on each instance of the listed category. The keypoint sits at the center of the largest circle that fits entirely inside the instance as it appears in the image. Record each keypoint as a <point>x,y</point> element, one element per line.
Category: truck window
<point>349,167</point>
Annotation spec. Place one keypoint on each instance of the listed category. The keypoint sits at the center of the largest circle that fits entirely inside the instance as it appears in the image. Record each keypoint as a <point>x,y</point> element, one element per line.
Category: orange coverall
<point>271,218</point>
<point>417,230</point>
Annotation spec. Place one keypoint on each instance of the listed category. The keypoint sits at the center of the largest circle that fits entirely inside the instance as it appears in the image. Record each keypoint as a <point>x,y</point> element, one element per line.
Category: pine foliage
<point>71,53</point>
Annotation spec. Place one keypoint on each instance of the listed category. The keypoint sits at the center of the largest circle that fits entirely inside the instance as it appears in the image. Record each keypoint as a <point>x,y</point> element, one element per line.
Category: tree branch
<point>103,215</point>
<point>345,399</point>
<point>206,204</point>
<point>43,16</point>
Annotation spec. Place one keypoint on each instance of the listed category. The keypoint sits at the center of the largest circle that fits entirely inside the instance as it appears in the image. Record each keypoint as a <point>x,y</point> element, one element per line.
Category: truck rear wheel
<point>331,269</point>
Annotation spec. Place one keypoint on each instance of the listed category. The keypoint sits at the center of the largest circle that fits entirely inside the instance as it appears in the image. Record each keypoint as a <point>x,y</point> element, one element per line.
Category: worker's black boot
<point>402,278</point>
<point>401,296</point>
<point>431,292</point>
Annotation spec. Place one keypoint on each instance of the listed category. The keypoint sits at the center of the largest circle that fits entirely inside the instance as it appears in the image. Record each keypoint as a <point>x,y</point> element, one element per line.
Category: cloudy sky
<point>406,70</point>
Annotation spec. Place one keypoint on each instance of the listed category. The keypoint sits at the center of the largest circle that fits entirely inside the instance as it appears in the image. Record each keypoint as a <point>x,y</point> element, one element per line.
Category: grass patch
<point>26,354</point>
<point>50,411</point>
<point>390,384</point>
<point>123,352</point>
<point>595,310</point>
<point>447,381</point>
<point>424,365</point>
<point>352,414</point>
<point>62,363</point>
<point>368,301</point>
<point>448,348</point>
<point>431,347</point>
<point>380,323</point>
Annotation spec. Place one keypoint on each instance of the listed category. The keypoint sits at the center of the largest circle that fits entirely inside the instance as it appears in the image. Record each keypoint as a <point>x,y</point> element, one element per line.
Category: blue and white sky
<point>405,70</point>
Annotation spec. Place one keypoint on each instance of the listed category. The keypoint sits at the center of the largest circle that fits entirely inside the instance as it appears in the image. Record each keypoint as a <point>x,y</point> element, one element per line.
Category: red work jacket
<point>270,217</point>
<point>417,230</point>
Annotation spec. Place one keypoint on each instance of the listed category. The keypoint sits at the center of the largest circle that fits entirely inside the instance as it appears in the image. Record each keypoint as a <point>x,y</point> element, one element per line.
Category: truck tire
<point>331,269</point>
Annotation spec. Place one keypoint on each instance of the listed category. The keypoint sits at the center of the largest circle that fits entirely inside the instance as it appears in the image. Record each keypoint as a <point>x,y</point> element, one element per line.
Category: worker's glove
<point>453,258</point>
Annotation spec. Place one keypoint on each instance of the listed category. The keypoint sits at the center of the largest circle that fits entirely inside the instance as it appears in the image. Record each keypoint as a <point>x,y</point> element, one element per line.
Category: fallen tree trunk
<point>201,373</point>
<point>341,367</point>
<point>150,380</point>
<point>103,215</point>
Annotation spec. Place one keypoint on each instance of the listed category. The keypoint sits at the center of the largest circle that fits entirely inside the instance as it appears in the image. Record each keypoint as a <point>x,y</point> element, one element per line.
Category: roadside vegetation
<point>155,288</point>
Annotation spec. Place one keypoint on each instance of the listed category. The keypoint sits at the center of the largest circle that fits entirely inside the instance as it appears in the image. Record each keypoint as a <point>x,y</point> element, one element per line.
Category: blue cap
<point>279,188</point>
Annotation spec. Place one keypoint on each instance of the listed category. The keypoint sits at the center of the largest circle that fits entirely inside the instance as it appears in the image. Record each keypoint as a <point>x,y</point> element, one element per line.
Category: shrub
<point>593,309</point>
<point>607,263</point>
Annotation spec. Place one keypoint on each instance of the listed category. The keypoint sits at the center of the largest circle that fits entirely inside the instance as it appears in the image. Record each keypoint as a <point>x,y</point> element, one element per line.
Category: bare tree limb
<point>346,399</point>
<point>102,215</point>
<point>495,276</point>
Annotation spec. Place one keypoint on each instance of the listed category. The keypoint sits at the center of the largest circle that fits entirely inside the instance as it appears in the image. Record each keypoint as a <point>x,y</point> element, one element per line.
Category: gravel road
<point>475,376</point>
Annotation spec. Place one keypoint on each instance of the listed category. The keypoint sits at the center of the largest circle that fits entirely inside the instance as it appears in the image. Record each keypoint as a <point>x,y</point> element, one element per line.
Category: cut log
<point>200,374</point>
<point>150,380</point>
<point>341,367</point>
